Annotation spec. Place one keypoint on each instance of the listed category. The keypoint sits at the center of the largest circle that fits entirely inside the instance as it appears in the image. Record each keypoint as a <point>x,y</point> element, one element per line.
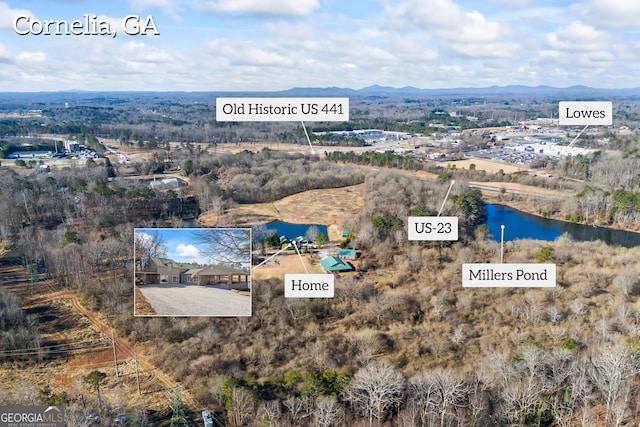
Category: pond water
<point>293,230</point>
<point>520,225</point>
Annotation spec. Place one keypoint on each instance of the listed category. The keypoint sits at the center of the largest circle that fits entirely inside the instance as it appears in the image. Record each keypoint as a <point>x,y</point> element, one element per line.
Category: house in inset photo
<point>192,272</point>
<point>220,274</point>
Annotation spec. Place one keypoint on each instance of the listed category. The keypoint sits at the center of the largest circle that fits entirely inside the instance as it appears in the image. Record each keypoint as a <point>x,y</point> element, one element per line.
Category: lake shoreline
<point>531,205</point>
<point>522,225</point>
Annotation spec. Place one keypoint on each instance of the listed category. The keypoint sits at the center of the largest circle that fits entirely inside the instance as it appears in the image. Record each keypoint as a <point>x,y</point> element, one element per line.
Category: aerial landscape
<point>399,222</point>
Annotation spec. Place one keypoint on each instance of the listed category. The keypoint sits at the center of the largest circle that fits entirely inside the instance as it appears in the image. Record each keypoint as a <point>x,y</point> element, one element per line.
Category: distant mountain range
<point>578,91</point>
<point>513,91</point>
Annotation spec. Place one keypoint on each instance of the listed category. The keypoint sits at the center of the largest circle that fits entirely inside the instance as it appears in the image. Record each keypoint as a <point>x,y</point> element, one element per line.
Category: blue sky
<point>220,45</point>
<point>182,245</point>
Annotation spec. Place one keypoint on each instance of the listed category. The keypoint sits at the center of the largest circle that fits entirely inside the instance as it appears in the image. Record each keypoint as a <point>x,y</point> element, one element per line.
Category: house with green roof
<point>332,264</point>
<point>347,254</point>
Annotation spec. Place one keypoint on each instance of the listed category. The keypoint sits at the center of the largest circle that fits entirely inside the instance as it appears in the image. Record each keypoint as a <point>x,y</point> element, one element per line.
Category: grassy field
<point>328,207</point>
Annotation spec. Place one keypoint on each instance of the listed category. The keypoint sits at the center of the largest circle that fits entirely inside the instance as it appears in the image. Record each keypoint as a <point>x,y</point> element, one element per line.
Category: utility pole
<point>501,243</point>
<point>115,357</point>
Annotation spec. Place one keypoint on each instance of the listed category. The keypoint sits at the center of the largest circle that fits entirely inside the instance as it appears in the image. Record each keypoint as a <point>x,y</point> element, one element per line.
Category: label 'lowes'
<point>584,113</point>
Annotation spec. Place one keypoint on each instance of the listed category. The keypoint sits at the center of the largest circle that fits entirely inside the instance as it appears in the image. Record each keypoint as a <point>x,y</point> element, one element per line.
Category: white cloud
<point>27,58</point>
<point>293,30</point>
<point>581,50</point>
<point>103,63</point>
<point>173,8</point>
<point>579,37</point>
<point>8,15</point>
<point>422,43</point>
<point>240,52</point>
<point>143,238</point>
<point>514,3</point>
<point>142,52</point>
<point>411,50</point>
<point>5,55</point>
<point>187,251</point>
<point>266,7</point>
<point>445,19</point>
<point>614,13</point>
<point>115,24</point>
<point>486,50</point>
<point>455,31</point>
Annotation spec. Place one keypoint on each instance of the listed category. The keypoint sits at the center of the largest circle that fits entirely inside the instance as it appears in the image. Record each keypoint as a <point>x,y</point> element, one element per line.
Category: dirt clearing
<point>490,166</point>
<point>286,263</point>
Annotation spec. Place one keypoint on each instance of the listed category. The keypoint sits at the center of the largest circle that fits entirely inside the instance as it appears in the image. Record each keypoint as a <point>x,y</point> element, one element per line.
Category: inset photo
<point>192,272</point>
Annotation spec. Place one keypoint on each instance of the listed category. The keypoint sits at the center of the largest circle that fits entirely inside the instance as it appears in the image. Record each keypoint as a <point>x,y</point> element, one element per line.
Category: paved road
<point>193,300</point>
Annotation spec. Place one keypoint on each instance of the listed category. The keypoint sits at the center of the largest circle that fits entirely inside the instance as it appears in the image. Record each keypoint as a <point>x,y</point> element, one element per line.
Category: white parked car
<point>208,420</point>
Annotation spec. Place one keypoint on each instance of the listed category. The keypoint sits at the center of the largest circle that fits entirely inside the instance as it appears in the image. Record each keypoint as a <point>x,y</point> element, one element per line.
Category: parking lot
<point>194,300</point>
<point>509,155</point>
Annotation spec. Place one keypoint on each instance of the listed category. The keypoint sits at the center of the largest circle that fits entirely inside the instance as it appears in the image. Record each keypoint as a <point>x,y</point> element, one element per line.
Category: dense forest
<point>400,344</point>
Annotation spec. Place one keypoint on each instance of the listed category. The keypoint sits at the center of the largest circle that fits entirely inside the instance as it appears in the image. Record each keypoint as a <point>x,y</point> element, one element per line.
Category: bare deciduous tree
<point>271,412</point>
<point>328,412</point>
<point>612,371</point>
<point>148,244</point>
<point>228,245</point>
<point>520,382</point>
<point>242,407</point>
<point>437,395</point>
<point>452,390</point>
<point>312,233</point>
<point>295,406</point>
<point>376,391</point>
<point>569,387</point>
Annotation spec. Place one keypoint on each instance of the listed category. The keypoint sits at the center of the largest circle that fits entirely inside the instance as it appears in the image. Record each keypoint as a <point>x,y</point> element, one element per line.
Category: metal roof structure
<point>331,263</point>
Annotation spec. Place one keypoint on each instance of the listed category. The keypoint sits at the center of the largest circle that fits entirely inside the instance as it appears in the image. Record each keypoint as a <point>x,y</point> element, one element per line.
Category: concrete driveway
<point>172,299</point>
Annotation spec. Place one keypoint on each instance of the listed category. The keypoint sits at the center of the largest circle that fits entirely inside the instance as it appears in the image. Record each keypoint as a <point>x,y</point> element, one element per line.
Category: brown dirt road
<point>125,351</point>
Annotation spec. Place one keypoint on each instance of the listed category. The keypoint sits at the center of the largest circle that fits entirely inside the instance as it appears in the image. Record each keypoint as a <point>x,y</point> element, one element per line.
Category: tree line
<point>401,342</point>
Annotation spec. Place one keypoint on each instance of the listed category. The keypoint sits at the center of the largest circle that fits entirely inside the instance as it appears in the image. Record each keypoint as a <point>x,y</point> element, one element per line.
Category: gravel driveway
<point>195,300</point>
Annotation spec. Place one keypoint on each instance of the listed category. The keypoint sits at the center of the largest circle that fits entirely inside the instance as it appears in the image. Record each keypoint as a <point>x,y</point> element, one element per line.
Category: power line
<point>51,350</point>
<point>57,346</point>
<point>75,367</point>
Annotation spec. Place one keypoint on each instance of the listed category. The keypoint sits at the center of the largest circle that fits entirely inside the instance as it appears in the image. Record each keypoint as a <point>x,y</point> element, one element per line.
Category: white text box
<point>596,113</point>
<point>282,109</point>
<point>308,285</point>
<point>508,275</point>
<point>432,227</point>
